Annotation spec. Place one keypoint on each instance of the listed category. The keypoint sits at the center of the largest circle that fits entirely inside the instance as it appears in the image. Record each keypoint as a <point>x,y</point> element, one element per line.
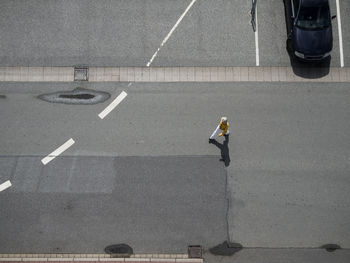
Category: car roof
<point>313,2</point>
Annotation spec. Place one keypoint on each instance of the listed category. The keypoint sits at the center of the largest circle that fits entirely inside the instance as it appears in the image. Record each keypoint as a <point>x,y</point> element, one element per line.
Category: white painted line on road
<point>5,185</point>
<point>257,60</point>
<point>58,151</point>
<point>171,31</point>
<point>113,104</point>
<point>340,35</point>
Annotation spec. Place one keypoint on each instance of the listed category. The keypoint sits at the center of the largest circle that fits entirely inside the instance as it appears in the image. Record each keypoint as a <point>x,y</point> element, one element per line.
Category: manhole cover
<point>81,74</point>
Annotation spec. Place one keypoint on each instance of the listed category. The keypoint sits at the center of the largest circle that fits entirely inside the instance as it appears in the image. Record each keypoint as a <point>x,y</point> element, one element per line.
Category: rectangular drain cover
<point>194,251</point>
<point>81,74</point>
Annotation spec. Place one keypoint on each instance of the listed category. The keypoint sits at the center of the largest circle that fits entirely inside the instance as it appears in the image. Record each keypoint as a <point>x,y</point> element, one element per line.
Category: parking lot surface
<point>118,33</point>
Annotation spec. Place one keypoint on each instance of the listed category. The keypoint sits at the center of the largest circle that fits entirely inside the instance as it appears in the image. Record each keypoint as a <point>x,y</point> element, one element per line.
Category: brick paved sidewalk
<point>175,74</point>
<point>73,258</point>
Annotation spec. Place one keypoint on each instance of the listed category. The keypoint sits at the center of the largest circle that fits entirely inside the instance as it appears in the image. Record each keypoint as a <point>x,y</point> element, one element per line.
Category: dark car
<point>312,29</point>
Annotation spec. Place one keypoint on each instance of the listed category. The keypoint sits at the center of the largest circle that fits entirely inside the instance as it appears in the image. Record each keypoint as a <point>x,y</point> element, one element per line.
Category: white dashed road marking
<point>113,104</point>
<point>257,60</point>
<point>58,151</point>
<point>171,31</point>
<point>5,185</point>
<point>340,35</point>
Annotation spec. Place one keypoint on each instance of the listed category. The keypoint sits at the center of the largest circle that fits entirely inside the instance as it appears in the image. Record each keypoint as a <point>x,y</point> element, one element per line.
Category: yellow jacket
<point>223,127</point>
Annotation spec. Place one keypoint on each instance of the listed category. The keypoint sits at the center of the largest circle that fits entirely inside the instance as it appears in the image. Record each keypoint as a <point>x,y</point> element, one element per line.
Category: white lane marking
<point>171,31</point>
<point>5,185</point>
<point>257,60</point>
<point>113,104</point>
<point>58,151</point>
<point>340,35</point>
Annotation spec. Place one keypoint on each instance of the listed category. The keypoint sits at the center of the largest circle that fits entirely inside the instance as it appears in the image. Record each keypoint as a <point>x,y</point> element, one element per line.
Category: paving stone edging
<point>171,74</point>
<point>164,258</point>
<point>64,255</point>
<point>130,260</point>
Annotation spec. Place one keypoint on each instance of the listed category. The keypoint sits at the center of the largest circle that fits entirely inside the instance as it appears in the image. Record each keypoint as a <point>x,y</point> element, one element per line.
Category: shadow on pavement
<point>331,247</point>
<point>225,154</point>
<point>226,249</point>
<point>303,69</point>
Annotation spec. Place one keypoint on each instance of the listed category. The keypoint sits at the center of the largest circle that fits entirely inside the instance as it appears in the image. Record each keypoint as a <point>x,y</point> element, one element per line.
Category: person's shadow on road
<point>225,155</point>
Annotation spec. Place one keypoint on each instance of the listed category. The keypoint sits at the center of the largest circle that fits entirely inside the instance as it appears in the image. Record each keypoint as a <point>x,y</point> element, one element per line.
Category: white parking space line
<point>340,35</point>
<point>58,151</point>
<point>112,105</point>
<point>5,185</point>
<point>171,31</point>
<point>257,60</point>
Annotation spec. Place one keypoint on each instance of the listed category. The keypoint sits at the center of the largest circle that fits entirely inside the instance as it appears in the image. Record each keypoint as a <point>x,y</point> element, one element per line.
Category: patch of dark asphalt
<point>160,204</point>
<point>121,250</point>
<point>2,96</point>
<point>226,249</point>
<point>83,96</point>
<point>331,247</point>
<point>76,96</point>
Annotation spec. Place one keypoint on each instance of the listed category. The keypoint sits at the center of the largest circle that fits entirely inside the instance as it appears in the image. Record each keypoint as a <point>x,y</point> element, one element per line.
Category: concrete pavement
<point>70,258</point>
<point>176,74</point>
<point>265,255</point>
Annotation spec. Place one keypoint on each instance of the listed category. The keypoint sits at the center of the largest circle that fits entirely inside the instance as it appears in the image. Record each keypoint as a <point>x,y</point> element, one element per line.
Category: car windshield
<point>315,17</point>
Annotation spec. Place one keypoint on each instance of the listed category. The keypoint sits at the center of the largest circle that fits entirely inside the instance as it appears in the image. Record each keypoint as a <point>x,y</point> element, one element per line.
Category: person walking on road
<point>223,127</point>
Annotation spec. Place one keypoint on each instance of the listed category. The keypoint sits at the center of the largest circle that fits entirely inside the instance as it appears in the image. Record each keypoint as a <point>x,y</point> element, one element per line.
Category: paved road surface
<point>125,33</point>
<point>287,180</point>
<point>84,204</point>
<point>128,33</point>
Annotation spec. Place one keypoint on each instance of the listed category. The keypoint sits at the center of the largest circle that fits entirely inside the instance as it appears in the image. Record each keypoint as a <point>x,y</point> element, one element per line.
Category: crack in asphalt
<point>227,198</point>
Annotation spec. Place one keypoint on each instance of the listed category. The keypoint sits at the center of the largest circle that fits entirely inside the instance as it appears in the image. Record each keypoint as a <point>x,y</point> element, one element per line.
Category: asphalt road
<point>83,204</point>
<point>128,33</point>
<point>124,33</point>
<point>146,175</point>
<point>287,180</point>
<point>346,32</point>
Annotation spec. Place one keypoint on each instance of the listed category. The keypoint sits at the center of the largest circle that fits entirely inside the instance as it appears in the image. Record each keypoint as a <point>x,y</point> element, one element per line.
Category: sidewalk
<point>135,258</point>
<point>172,74</point>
